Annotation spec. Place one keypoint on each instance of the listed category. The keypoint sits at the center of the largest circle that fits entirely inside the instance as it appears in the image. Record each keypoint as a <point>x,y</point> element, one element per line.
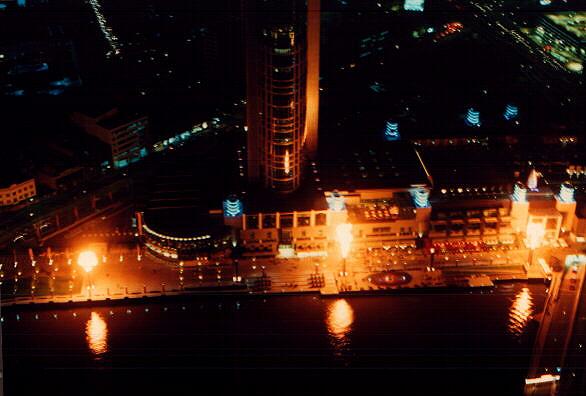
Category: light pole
<point>88,260</point>
<point>344,237</point>
<point>432,255</point>
<point>535,234</point>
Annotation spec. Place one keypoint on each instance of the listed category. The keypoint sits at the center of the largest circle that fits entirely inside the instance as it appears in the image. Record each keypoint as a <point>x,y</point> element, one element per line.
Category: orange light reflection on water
<point>340,318</point>
<point>520,312</point>
<point>96,331</point>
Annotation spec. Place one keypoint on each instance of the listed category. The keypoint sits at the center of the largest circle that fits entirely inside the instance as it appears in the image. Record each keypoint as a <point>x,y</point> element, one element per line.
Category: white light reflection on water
<point>96,332</point>
<point>520,312</point>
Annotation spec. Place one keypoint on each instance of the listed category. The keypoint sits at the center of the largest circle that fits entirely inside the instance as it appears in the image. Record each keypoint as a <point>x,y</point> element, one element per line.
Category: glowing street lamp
<point>535,235</point>
<point>344,237</point>
<point>88,260</point>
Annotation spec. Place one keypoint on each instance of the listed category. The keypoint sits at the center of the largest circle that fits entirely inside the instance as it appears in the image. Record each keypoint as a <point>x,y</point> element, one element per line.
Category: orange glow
<point>344,237</point>
<point>96,332</point>
<point>535,234</point>
<point>287,164</point>
<point>340,319</point>
<point>87,260</point>
<point>520,312</point>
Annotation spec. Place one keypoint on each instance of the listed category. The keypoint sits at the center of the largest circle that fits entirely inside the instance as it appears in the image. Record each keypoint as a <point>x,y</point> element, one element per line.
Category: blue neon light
<point>566,193</point>
<point>511,112</point>
<point>473,118</point>
<point>421,198</point>
<point>232,207</point>
<point>392,131</point>
<point>519,193</point>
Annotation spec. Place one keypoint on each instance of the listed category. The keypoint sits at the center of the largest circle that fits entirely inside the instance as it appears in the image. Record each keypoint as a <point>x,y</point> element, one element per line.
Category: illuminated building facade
<point>125,133</point>
<point>379,217</point>
<point>17,192</point>
<point>282,60</point>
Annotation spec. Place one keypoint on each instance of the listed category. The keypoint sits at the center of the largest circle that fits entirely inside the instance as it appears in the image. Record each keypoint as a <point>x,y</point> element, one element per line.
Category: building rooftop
<point>399,207</point>
<point>364,164</point>
<point>120,118</point>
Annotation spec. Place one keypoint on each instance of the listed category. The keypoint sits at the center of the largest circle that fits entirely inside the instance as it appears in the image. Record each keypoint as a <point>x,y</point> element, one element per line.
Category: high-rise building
<point>282,77</point>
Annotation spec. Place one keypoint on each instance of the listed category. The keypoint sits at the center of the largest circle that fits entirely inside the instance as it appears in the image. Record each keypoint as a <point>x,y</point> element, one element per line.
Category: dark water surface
<point>432,344</point>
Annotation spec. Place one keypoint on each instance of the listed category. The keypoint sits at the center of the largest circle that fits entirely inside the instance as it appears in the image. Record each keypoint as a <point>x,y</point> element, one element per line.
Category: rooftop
<point>120,118</point>
<point>399,207</point>
<point>363,164</point>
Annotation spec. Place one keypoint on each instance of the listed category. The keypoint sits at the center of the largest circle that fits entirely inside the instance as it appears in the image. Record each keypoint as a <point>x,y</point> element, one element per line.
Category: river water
<point>419,344</point>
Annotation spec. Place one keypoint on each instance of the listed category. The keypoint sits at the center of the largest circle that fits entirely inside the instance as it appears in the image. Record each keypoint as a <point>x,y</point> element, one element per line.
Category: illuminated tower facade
<point>282,76</point>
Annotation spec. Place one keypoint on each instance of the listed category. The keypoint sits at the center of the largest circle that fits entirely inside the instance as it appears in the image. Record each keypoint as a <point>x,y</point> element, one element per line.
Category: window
<point>269,221</point>
<point>382,230</point>
<point>320,219</point>
<point>252,222</point>
<point>303,221</point>
<point>552,224</point>
<point>287,221</point>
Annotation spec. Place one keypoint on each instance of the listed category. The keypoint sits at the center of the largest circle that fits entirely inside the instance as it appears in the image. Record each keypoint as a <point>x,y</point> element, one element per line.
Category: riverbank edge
<point>190,295</point>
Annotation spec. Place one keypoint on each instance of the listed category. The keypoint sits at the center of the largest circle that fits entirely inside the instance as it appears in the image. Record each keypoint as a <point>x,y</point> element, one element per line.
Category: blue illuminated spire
<point>566,193</point>
<point>519,193</point>
<point>473,117</point>
<point>420,197</point>
<point>232,207</point>
<point>511,112</point>
<point>392,131</point>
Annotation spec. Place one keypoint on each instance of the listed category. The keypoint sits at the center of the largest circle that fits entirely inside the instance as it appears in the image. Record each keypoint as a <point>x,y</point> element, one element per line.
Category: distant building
<point>41,67</point>
<point>17,192</point>
<point>282,62</point>
<point>125,133</point>
<point>565,30</point>
<point>563,35</point>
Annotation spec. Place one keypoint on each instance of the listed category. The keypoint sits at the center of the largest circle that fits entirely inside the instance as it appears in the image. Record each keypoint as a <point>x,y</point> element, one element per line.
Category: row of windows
<point>19,191</point>
<point>16,199</point>
<point>286,220</point>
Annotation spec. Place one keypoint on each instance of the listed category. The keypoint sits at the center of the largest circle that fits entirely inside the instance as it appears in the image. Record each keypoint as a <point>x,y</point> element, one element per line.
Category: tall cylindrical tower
<point>282,59</point>
<point>283,99</point>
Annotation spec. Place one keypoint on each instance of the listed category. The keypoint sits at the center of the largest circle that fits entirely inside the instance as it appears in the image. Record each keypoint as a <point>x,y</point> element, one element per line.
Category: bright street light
<point>87,260</point>
<point>344,237</point>
<point>535,234</point>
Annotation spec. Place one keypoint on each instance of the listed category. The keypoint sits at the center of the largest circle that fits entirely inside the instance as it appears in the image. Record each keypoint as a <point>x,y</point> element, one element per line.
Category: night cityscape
<point>292,197</point>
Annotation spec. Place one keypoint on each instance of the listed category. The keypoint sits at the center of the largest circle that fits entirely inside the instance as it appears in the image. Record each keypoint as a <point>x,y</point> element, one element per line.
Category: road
<point>556,328</point>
